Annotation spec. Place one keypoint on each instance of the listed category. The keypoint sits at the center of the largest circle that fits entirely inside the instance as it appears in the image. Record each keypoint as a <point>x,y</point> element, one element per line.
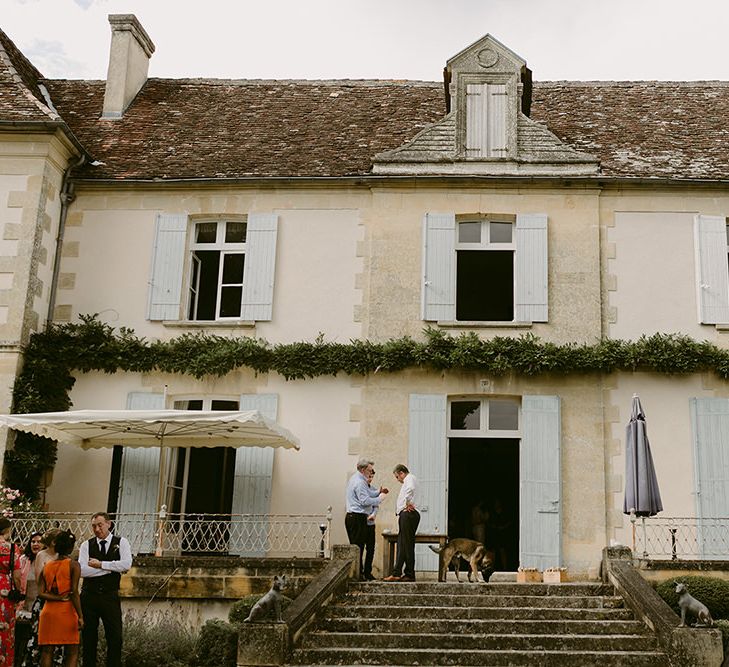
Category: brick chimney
<point>131,49</point>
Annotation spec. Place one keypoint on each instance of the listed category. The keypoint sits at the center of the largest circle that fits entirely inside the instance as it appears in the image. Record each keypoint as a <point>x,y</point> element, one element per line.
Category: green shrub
<point>240,610</point>
<point>714,593</point>
<point>162,641</point>
<point>217,644</point>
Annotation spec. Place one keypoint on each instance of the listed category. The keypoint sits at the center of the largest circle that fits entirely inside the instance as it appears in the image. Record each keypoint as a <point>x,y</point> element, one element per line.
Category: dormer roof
<point>487,130</point>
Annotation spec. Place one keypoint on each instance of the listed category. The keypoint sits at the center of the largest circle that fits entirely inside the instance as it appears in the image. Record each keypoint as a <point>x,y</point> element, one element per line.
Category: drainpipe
<point>67,197</point>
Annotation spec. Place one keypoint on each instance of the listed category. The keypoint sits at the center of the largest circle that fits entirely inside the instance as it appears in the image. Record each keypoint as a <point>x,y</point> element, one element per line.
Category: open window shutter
<point>168,262</point>
<point>139,484</point>
<point>540,530</point>
<point>252,486</point>
<point>531,268</point>
<point>711,475</point>
<point>260,267</point>
<point>712,269</point>
<point>427,461</point>
<point>439,267</point>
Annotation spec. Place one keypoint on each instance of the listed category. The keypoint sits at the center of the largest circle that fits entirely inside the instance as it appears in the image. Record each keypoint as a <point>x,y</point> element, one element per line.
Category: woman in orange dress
<point>61,617</point>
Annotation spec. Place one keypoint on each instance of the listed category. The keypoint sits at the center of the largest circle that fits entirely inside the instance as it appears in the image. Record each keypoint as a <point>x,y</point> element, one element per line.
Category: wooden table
<point>388,553</point>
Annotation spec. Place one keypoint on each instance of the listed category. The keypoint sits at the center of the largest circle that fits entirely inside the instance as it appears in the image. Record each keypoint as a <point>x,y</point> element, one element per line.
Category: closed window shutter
<point>139,484</point>
<point>252,486</point>
<point>540,542</point>
<point>439,267</point>
<point>712,269</point>
<point>710,418</point>
<point>485,120</point>
<point>260,267</point>
<point>168,261</point>
<point>531,268</point>
<point>427,461</point>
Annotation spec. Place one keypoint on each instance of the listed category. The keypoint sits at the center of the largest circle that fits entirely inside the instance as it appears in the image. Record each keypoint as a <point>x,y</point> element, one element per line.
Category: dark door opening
<point>483,495</point>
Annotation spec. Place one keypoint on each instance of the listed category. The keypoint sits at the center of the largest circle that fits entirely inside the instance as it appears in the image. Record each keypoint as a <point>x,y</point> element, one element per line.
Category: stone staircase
<point>560,625</point>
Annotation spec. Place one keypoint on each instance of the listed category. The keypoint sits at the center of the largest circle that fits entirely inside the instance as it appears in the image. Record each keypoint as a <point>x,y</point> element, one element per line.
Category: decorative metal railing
<point>681,538</point>
<point>165,534</point>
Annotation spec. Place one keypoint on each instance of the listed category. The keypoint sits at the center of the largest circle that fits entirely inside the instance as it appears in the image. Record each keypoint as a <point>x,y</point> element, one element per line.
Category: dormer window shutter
<point>486,120</point>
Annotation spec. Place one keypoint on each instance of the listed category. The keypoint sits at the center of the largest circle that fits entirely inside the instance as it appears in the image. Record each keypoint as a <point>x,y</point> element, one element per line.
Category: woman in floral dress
<point>32,654</point>
<point>7,606</point>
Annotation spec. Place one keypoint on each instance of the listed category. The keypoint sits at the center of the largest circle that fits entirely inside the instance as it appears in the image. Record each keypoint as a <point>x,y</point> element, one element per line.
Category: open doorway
<point>483,495</point>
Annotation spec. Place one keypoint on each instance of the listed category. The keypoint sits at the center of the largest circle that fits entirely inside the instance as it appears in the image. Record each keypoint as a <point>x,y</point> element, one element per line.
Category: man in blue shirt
<point>361,500</point>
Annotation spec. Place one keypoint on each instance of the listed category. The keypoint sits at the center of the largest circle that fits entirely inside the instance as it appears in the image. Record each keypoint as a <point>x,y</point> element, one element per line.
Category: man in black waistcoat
<point>103,559</point>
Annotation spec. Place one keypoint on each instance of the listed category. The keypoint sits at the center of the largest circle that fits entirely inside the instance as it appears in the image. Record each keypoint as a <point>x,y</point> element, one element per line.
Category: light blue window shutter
<point>427,461</point>
<point>249,536</point>
<point>439,267</point>
<point>712,269</point>
<point>485,120</point>
<point>139,484</point>
<point>168,263</point>
<point>531,268</point>
<point>540,531</point>
<point>710,418</point>
<point>260,267</point>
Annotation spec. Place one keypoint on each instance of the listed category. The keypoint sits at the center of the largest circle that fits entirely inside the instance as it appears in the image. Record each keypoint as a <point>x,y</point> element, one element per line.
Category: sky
<point>379,39</point>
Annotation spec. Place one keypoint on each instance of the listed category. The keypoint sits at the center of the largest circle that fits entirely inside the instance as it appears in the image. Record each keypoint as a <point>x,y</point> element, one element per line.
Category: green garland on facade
<point>52,356</point>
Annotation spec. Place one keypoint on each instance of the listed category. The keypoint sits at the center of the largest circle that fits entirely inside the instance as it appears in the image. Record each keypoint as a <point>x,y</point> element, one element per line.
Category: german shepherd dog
<point>478,557</point>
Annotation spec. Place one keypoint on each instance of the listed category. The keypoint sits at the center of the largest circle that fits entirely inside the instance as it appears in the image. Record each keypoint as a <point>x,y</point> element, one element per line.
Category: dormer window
<point>486,120</point>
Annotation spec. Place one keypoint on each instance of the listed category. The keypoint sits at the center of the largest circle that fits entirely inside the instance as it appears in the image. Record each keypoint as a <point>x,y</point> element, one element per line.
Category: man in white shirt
<point>408,519</point>
<point>103,559</point>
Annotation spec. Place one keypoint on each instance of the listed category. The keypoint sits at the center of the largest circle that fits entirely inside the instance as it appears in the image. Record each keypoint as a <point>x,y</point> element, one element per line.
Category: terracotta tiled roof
<point>20,97</point>
<point>676,130</point>
<point>237,129</point>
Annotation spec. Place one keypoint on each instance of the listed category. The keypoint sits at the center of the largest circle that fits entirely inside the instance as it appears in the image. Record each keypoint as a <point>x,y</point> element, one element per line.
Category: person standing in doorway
<point>408,519</point>
<point>370,539</point>
<point>361,500</point>
<point>103,559</point>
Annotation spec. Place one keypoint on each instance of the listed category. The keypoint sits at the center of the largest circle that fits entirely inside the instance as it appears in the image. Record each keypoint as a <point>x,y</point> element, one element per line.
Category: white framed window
<point>217,264</point>
<point>228,265</point>
<point>485,268</point>
<point>485,251</point>
<point>476,417</point>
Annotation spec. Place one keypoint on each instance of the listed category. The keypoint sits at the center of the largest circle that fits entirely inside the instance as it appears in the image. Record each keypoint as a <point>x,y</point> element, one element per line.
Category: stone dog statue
<point>688,604</point>
<point>271,601</point>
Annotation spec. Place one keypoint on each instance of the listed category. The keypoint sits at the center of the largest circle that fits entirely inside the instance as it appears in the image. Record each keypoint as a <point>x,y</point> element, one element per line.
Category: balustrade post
<point>159,550</point>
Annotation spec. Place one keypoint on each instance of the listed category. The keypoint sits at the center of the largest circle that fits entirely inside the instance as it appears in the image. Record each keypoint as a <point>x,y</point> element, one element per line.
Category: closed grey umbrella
<point>641,486</point>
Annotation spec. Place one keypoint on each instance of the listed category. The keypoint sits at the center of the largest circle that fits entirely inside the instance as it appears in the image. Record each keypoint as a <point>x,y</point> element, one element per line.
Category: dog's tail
<point>436,549</point>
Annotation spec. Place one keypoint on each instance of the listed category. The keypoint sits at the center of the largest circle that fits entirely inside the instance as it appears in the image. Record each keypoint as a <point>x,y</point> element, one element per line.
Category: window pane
<point>503,415</point>
<point>205,232</point>
<point>233,269</point>
<point>235,232</point>
<point>485,285</point>
<point>469,232</point>
<point>230,299</point>
<point>192,404</point>
<point>500,232</point>
<point>466,415</point>
<point>219,404</point>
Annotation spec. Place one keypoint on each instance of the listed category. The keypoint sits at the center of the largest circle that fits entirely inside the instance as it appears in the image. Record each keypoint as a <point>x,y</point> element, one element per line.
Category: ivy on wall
<point>52,356</point>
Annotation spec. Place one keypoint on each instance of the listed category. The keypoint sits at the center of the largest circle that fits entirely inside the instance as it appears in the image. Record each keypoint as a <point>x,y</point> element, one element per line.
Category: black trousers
<point>105,607</point>
<point>369,550</point>
<point>407,523</point>
<point>356,525</point>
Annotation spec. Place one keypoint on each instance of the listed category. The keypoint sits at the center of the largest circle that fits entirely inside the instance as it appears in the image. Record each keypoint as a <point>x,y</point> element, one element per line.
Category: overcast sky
<point>383,39</point>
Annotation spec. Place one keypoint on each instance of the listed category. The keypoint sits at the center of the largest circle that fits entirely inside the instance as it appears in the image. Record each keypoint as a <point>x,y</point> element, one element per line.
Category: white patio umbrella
<point>92,429</point>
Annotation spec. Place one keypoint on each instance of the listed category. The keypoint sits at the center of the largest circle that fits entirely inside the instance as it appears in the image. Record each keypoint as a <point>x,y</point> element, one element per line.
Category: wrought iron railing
<point>163,534</point>
<point>681,538</point>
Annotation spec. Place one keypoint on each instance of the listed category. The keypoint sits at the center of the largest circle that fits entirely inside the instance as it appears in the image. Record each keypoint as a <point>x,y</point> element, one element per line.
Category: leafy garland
<point>51,357</point>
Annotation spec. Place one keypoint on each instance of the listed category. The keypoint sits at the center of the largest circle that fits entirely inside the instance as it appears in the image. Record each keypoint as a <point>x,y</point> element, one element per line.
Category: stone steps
<point>405,656</point>
<point>424,623</point>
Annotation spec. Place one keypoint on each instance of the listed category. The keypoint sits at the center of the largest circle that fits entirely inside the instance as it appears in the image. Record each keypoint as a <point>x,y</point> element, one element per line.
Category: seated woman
<point>61,618</point>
